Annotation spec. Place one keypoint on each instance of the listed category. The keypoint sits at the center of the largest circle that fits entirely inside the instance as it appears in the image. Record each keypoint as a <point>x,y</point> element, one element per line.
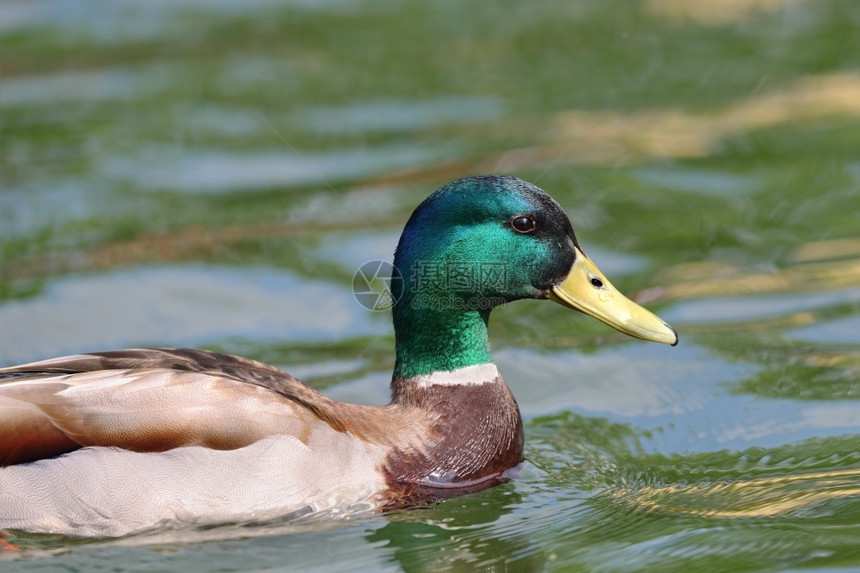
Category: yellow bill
<point>586,289</point>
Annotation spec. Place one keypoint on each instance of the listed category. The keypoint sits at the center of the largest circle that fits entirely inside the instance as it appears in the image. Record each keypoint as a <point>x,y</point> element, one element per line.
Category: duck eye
<point>523,224</point>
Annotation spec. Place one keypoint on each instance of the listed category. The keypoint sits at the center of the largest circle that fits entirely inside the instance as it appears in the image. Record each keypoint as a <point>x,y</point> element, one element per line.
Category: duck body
<point>249,442</point>
<point>115,443</point>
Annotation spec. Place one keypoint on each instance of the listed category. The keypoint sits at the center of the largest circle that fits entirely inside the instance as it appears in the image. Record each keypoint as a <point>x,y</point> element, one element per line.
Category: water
<point>212,173</point>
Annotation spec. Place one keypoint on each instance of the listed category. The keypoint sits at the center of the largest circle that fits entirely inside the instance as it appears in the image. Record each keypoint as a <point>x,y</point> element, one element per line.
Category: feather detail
<point>151,401</point>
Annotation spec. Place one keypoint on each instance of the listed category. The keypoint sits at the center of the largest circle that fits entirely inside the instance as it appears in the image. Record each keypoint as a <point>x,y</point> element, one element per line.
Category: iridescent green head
<point>488,237</point>
<point>483,241</point>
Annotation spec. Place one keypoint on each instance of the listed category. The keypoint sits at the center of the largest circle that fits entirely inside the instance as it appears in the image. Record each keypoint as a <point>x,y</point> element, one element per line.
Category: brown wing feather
<point>181,359</point>
<point>150,400</point>
<point>27,435</point>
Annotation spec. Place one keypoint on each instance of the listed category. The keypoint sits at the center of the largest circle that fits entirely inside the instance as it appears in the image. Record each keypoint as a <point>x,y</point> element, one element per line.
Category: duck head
<point>480,242</point>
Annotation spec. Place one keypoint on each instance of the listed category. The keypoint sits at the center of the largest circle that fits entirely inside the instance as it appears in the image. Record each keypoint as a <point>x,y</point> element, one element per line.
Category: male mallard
<point>112,443</point>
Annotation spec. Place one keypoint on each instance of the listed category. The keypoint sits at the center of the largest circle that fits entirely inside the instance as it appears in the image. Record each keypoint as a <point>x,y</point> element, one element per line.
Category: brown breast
<point>475,436</point>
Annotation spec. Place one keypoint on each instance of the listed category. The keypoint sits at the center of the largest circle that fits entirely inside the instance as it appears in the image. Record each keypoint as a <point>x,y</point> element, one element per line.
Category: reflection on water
<point>746,498</point>
<point>604,137</point>
<point>828,250</point>
<point>219,172</point>
<point>24,210</point>
<point>843,331</point>
<point>718,13</point>
<point>661,508</point>
<point>175,307</point>
<point>398,115</point>
<point>122,21</point>
<point>711,183</point>
<point>212,173</point>
<point>459,537</point>
<point>86,86</point>
<point>703,279</point>
<point>747,308</point>
<point>627,383</point>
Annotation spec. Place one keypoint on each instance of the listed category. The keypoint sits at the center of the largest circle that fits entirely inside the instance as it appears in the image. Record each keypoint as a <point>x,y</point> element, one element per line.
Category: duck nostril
<point>596,282</point>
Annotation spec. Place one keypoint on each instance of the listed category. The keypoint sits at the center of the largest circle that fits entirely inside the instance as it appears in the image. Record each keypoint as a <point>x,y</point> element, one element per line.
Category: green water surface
<point>212,174</point>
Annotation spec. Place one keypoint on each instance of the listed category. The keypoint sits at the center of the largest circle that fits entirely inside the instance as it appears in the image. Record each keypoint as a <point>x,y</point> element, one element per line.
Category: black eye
<point>523,224</point>
<point>596,282</point>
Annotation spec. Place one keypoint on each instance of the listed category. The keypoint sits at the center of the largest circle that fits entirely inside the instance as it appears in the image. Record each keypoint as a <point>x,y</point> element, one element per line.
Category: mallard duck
<point>119,442</point>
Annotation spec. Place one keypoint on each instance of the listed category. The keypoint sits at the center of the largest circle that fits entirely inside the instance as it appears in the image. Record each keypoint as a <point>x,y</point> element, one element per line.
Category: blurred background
<point>212,173</point>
